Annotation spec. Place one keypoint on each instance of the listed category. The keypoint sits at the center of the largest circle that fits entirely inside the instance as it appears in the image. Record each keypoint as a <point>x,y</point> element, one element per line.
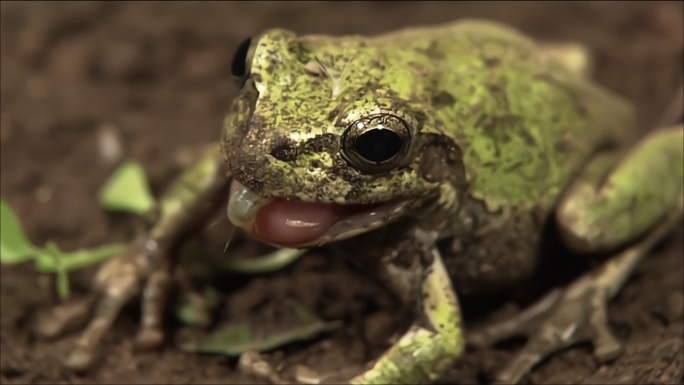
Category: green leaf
<point>266,263</point>
<point>45,263</point>
<point>14,245</point>
<point>128,190</point>
<point>235,339</point>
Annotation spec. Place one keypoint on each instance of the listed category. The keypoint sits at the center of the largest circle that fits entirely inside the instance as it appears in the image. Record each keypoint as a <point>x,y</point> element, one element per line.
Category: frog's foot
<point>578,315</point>
<point>117,282</point>
<point>492,334</point>
<point>144,269</point>
<point>435,341</point>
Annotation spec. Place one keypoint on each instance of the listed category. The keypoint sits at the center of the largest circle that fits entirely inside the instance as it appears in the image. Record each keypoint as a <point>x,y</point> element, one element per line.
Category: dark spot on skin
<point>492,62</point>
<point>529,139</point>
<point>443,99</point>
<point>502,123</point>
<point>351,176</point>
<point>284,151</point>
<point>499,94</point>
<point>513,167</point>
<point>435,52</point>
<point>564,146</point>
<point>334,114</point>
<point>419,68</point>
<point>420,117</point>
<point>321,143</point>
<point>433,307</point>
<point>504,137</point>
<point>433,163</point>
<point>480,120</point>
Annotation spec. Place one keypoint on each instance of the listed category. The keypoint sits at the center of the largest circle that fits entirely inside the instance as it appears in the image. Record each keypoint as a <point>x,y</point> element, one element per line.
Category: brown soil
<point>158,73</point>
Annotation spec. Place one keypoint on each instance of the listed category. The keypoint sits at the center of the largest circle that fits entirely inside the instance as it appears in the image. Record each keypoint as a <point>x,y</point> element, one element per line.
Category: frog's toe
<point>521,324</point>
<point>155,297</point>
<point>117,282</point>
<point>579,316</point>
<point>59,320</point>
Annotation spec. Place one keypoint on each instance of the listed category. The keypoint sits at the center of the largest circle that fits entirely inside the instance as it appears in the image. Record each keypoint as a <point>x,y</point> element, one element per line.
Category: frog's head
<point>329,138</point>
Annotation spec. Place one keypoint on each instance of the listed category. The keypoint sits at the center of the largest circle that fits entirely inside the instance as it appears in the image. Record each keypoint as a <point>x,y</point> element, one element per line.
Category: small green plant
<point>15,248</point>
<point>127,190</point>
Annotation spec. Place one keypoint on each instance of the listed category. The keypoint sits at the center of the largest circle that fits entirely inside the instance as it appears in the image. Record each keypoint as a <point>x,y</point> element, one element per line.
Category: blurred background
<point>154,78</point>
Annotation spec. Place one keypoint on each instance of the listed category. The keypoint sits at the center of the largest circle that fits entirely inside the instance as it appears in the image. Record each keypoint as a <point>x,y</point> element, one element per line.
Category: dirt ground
<point>157,74</point>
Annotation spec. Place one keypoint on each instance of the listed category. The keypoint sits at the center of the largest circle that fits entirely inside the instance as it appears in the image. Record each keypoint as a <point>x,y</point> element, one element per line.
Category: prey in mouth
<point>296,224</point>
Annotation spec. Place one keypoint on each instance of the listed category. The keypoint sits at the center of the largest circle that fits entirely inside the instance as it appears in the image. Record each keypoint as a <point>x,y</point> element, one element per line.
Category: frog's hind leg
<point>634,202</point>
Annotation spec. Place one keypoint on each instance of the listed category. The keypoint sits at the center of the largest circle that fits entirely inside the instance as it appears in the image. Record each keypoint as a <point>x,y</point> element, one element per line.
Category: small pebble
<point>43,194</point>
<point>109,143</point>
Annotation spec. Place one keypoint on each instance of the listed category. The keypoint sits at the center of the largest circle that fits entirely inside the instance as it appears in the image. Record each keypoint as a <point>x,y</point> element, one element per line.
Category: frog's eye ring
<point>377,143</point>
<point>241,63</point>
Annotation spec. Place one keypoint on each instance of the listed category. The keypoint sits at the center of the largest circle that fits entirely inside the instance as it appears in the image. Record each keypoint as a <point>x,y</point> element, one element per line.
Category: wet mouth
<point>297,224</point>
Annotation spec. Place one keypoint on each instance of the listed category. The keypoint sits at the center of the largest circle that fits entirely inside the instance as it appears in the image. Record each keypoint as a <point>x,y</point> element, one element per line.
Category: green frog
<point>435,157</point>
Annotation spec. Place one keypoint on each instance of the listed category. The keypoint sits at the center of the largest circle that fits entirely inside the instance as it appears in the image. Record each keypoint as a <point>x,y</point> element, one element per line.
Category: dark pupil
<point>378,145</point>
<point>239,65</point>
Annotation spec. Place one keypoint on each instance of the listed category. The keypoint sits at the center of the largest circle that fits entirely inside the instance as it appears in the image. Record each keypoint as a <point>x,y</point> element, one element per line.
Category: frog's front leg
<point>633,202</point>
<point>435,340</point>
<point>145,268</point>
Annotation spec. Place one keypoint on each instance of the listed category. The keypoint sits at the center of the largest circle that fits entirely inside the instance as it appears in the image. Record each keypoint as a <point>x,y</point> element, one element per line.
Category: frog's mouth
<point>297,224</point>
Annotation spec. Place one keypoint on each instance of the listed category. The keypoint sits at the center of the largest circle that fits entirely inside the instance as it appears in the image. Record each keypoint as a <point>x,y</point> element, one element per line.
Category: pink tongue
<point>292,224</point>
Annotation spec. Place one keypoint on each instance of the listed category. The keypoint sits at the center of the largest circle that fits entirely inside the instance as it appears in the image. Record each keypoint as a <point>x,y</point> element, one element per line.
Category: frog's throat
<point>299,224</point>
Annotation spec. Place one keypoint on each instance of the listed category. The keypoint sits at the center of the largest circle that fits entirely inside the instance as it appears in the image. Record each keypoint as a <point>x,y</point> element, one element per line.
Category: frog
<point>434,157</point>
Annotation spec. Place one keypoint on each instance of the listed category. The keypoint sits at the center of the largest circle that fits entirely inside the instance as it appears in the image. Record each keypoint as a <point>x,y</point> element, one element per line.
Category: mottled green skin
<point>501,130</point>
<point>519,124</point>
<point>498,125</point>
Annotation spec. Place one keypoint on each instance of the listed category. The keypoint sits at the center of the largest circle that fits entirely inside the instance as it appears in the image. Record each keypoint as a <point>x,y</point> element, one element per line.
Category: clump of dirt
<point>157,75</point>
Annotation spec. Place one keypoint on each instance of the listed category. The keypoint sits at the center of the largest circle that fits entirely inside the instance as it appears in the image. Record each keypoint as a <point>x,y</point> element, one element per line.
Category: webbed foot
<point>144,269</point>
<point>578,314</point>
<point>117,282</point>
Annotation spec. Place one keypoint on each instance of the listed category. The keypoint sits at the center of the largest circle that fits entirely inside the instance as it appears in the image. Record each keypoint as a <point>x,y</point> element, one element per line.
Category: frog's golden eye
<point>240,66</point>
<point>377,143</point>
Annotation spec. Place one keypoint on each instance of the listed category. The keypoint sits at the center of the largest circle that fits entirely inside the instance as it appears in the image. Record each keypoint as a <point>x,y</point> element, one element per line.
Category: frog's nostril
<point>284,152</point>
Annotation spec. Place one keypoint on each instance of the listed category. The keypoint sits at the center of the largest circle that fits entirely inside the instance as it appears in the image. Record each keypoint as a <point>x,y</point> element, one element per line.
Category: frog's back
<point>526,123</point>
